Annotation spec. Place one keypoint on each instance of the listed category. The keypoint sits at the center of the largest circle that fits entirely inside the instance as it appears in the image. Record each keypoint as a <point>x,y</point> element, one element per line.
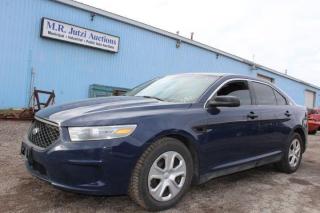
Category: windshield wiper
<point>147,96</point>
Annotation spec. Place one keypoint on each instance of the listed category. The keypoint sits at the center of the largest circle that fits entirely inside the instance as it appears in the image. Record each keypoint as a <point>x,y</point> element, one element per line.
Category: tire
<point>142,183</point>
<point>313,132</point>
<point>287,163</point>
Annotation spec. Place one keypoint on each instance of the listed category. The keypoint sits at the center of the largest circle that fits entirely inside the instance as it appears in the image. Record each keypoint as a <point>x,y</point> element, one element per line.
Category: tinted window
<point>280,99</point>
<point>264,94</point>
<point>239,89</point>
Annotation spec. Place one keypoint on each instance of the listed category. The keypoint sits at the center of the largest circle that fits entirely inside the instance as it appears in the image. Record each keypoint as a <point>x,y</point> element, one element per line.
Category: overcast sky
<point>281,34</point>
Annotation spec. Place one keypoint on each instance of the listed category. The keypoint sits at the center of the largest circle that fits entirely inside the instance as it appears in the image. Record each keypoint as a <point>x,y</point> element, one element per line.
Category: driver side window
<point>239,89</point>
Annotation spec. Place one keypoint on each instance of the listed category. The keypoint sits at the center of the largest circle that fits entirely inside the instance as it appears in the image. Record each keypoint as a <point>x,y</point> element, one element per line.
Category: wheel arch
<point>299,130</point>
<point>189,141</point>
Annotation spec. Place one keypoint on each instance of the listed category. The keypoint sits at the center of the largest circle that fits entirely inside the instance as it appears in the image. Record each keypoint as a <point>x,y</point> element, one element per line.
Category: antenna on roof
<point>286,71</point>
<point>178,32</point>
<point>191,37</point>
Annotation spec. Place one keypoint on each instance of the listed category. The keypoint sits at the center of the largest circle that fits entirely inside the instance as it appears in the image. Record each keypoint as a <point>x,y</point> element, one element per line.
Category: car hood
<point>101,111</point>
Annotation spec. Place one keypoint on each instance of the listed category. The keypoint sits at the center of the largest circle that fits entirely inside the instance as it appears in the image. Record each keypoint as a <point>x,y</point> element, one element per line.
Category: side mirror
<point>224,101</point>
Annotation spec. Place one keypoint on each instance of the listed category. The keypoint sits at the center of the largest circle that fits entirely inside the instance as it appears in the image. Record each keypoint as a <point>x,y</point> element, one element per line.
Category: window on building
<point>280,99</point>
<point>238,89</point>
<point>264,94</point>
<point>309,98</point>
<point>265,78</point>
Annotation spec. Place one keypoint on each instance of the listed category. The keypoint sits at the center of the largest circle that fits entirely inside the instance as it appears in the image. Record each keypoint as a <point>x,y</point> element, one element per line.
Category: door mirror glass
<point>224,101</point>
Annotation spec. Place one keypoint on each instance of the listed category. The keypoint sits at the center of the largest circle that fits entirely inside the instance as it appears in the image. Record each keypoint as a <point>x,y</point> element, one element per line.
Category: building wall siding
<point>69,69</point>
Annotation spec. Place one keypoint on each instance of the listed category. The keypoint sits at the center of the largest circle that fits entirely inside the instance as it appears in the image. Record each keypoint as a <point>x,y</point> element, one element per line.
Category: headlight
<point>100,132</point>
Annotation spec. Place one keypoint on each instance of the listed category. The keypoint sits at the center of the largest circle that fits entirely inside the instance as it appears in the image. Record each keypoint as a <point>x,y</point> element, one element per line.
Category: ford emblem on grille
<point>35,131</point>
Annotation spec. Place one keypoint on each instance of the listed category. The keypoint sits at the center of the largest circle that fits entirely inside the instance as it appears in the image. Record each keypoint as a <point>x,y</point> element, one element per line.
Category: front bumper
<point>99,168</point>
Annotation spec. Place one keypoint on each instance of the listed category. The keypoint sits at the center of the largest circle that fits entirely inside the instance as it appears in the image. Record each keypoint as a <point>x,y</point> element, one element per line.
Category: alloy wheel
<point>294,153</point>
<point>167,176</point>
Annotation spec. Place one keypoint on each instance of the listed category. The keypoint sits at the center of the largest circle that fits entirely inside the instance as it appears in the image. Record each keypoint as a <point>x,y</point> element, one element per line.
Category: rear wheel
<point>162,175</point>
<point>313,132</point>
<point>292,157</point>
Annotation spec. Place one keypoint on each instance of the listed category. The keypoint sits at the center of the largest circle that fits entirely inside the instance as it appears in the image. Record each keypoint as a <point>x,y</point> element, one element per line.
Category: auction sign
<point>74,34</point>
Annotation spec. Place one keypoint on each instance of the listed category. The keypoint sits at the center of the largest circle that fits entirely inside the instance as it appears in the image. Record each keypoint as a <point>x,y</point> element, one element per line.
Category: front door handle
<point>287,113</point>
<point>252,115</point>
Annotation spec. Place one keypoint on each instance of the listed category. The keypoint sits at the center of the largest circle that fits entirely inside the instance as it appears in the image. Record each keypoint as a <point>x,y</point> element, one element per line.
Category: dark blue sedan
<point>164,135</point>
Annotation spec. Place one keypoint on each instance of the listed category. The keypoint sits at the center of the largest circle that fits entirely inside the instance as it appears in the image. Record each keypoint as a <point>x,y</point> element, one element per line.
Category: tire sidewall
<point>169,145</point>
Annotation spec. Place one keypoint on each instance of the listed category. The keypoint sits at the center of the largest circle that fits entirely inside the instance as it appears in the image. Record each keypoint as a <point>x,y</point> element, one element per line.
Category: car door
<point>231,131</point>
<point>285,117</point>
<point>275,116</point>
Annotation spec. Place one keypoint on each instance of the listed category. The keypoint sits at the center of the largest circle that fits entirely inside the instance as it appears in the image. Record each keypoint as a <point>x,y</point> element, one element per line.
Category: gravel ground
<point>258,190</point>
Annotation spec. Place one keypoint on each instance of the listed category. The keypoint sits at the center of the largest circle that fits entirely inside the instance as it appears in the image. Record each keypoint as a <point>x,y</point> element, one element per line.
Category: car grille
<point>42,134</point>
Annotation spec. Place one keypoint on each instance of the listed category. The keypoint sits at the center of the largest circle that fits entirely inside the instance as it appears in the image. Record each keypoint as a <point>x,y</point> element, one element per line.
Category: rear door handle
<point>287,113</point>
<point>252,115</point>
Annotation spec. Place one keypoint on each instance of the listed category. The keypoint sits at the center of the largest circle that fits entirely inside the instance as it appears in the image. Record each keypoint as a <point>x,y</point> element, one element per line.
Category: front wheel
<point>292,156</point>
<point>162,175</point>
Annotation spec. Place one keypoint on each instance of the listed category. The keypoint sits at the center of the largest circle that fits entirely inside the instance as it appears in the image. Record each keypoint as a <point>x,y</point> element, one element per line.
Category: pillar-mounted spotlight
<point>178,43</point>
<point>92,16</point>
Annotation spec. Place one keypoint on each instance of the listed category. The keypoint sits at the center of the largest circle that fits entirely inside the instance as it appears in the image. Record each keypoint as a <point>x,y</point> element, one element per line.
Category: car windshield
<point>175,88</point>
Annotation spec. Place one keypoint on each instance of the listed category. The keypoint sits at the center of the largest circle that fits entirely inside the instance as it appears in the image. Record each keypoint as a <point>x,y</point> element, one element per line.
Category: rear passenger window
<point>280,99</point>
<point>264,94</point>
<point>238,89</point>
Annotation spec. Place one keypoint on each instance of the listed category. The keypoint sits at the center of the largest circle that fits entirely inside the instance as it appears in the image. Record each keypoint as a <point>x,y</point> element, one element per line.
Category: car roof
<point>226,75</point>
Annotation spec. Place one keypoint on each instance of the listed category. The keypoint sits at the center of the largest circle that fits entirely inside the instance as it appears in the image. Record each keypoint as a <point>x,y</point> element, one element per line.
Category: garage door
<point>309,98</point>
